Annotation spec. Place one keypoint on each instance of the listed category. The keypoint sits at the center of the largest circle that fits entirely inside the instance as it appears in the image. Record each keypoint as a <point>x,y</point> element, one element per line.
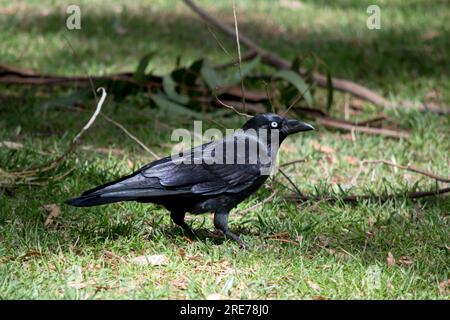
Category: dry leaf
<point>318,147</point>
<point>112,256</point>
<point>357,104</point>
<point>390,259</point>
<point>433,95</point>
<point>215,296</point>
<point>331,159</point>
<point>11,145</point>
<point>53,212</point>
<point>153,260</point>
<point>405,261</point>
<point>444,287</point>
<point>351,160</point>
<point>130,164</point>
<point>179,283</point>
<point>313,285</point>
<point>430,35</point>
<point>76,285</point>
<point>291,4</point>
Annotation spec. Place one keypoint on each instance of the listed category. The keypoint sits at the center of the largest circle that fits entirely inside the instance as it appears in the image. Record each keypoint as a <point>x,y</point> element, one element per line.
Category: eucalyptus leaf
<point>212,78</point>
<point>297,81</point>
<point>166,104</point>
<point>67,100</point>
<point>139,74</point>
<point>169,86</point>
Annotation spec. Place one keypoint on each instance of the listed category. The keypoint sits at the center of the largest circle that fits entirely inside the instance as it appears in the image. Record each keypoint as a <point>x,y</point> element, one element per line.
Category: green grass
<point>333,245</point>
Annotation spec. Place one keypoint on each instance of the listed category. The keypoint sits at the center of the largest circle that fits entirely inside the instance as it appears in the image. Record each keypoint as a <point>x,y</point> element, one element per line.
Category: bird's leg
<point>178,218</point>
<point>221,223</point>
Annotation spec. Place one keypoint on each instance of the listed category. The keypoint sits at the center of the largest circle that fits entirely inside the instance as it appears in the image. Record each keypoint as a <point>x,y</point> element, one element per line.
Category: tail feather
<point>129,188</point>
<point>95,200</point>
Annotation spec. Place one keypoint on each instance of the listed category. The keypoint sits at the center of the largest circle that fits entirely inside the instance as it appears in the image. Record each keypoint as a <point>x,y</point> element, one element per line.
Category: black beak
<point>293,126</point>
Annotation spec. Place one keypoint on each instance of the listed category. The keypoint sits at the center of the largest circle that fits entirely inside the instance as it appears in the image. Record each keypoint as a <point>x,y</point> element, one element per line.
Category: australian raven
<point>214,177</point>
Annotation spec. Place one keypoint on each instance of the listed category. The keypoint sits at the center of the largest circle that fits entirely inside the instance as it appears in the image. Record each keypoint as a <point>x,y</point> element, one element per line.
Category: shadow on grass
<point>382,57</point>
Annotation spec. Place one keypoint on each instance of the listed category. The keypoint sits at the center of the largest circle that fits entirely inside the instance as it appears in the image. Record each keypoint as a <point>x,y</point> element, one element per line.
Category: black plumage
<point>196,182</point>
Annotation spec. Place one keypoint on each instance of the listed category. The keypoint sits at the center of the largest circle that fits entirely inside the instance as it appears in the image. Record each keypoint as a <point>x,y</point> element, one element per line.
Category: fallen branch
<point>345,125</point>
<point>278,62</point>
<point>410,168</point>
<point>13,75</point>
<point>357,198</point>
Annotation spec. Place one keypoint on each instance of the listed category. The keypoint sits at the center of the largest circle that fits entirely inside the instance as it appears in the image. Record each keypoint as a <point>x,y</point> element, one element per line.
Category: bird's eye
<point>274,124</point>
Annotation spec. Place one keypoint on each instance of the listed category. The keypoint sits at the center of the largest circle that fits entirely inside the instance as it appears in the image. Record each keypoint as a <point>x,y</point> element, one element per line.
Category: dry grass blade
<point>139,142</point>
<point>239,53</point>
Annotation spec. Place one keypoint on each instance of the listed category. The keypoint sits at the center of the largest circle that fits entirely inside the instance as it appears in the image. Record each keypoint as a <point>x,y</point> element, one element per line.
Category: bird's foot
<point>234,237</point>
<point>188,232</point>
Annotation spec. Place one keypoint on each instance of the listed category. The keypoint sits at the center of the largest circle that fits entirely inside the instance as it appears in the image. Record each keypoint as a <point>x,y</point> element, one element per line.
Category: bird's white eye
<point>274,124</point>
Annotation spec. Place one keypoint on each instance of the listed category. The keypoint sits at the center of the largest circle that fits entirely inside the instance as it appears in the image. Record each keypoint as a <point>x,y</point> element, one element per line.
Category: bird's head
<point>272,121</point>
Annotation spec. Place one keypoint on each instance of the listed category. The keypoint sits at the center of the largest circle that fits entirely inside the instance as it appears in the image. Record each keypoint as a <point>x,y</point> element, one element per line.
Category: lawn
<point>395,249</point>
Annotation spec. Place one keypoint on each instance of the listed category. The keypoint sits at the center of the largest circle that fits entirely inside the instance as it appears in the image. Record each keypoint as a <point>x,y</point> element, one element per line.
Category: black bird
<point>197,181</point>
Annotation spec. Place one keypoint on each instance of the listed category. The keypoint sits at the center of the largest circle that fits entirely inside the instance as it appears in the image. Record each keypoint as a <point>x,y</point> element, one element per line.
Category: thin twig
<point>247,56</point>
<point>292,162</point>
<point>258,204</point>
<point>297,99</point>
<point>345,125</point>
<point>300,194</point>
<point>134,138</point>
<point>121,127</point>
<point>81,64</point>
<point>218,41</point>
<point>410,168</point>
<point>92,119</point>
<point>239,53</point>
<point>233,108</point>
<point>357,198</point>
